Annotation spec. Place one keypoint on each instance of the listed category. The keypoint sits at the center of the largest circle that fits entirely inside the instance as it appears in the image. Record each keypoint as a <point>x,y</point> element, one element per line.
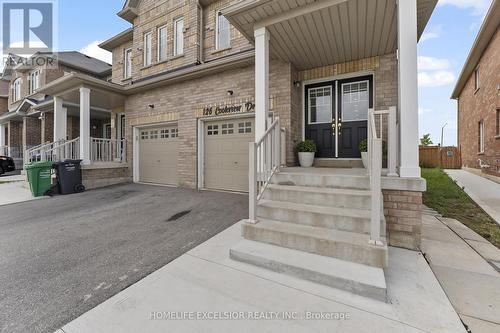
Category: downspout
<point>200,33</point>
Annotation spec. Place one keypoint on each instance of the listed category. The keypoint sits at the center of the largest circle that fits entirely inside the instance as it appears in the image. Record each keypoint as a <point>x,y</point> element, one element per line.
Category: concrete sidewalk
<point>206,282</point>
<point>464,262</point>
<point>15,191</point>
<point>484,192</point>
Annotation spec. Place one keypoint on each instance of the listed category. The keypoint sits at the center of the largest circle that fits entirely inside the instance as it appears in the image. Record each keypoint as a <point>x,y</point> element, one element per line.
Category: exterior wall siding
<point>474,106</point>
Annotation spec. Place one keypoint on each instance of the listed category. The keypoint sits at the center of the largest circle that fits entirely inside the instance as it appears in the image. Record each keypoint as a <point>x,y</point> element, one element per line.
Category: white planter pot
<point>306,159</point>
<point>364,158</point>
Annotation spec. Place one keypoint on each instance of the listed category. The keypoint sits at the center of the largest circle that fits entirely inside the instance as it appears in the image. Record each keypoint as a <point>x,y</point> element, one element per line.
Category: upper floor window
<point>147,49</point>
<point>498,123</point>
<point>481,137</point>
<point>222,33</point>
<point>162,43</point>
<point>127,64</point>
<point>34,81</point>
<point>476,79</point>
<point>16,90</point>
<point>178,36</point>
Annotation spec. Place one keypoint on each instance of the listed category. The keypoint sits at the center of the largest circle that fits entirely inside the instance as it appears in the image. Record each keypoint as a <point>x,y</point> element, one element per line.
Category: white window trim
<point>158,55</point>
<point>16,89</point>
<point>481,137</point>
<point>217,46</point>
<point>32,86</point>
<point>477,79</point>
<point>309,105</point>
<point>177,20</point>
<point>127,67</point>
<point>148,60</point>
<point>342,91</point>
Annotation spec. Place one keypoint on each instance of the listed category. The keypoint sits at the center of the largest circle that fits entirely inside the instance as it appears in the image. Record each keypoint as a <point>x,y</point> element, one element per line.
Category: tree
<point>426,140</point>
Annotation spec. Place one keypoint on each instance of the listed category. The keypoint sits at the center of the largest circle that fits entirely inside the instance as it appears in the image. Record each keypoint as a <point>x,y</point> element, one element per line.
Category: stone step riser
<point>325,181</point>
<point>330,280</point>
<point>318,198</point>
<point>366,255</point>
<point>336,222</point>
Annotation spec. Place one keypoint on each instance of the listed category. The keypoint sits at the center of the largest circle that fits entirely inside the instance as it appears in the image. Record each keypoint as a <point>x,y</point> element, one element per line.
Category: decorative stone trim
<point>155,118</point>
<point>338,69</point>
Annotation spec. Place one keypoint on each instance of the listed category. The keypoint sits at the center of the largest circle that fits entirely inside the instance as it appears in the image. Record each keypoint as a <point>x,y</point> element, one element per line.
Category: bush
<point>306,146</point>
<point>363,146</point>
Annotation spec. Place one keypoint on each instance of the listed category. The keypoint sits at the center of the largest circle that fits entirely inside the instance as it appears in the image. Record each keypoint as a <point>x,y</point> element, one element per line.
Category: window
<point>127,63</point>
<point>227,128</point>
<point>320,105</point>
<point>245,127</point>
<point>174,132</point>
<point>144,135</point>
<point>222,33</point>
<point>16,90</point>
<point>147,49</point>
<point>213,130</point>
<point>355,101</point>
<point>498,123</point>
<point>178,36</point>
<point>153,134</point>
<point>476,79</point>
<point>164,134</point>
<point>162,43</point>
<point>481,137</point>
<point>34,81</point>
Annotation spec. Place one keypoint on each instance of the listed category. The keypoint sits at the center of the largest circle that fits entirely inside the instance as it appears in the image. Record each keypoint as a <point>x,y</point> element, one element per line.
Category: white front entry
<point>226,153</point>
<point>158,155</point>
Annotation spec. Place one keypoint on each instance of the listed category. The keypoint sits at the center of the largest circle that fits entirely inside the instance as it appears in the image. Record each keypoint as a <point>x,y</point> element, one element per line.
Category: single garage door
<point>158,155</point>
<point>226,154</point>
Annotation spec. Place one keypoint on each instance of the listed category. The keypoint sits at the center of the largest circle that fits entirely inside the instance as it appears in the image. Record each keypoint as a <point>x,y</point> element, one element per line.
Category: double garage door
<point>225,161</point>
<point>158,149</point>
<point>226,153</point>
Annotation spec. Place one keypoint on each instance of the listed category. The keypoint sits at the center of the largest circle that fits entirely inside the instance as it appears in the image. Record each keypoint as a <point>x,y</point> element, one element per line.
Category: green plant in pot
<point>363,148</point>
<point>306,149</point>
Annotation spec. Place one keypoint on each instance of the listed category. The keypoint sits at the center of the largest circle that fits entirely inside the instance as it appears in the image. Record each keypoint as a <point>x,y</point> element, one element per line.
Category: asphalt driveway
<point>61,257</point>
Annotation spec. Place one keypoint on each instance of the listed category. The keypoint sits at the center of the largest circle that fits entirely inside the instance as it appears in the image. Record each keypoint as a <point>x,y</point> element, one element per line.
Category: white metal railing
<point>108,150</point>
<point>265,160</point>
<point>54,151</point>
<point>375,172</point>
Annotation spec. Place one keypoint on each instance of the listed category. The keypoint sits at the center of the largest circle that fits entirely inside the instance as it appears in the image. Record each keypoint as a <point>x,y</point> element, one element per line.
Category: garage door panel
<point>158,155</point>
<point>226,154</point>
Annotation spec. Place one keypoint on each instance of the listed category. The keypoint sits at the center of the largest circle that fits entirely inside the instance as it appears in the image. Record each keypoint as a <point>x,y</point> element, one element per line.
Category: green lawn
<point>446,197</point>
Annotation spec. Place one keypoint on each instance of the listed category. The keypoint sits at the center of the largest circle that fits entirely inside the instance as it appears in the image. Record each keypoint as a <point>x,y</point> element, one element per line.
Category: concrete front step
<point>321,180</point>
<point>331,197</point>
<point>338,218</point>
<point>356,278</point>
<point>338,163</point>
<point>354,247</point>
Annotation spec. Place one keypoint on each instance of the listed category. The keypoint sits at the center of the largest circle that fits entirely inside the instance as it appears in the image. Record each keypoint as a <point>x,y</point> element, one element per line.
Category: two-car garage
<point>223,158</point>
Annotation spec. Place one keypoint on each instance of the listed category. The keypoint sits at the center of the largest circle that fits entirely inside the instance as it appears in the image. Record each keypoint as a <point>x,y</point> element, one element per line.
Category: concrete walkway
<point>205,291</point>
<point>484,192</point>
<point>464,263</point>
<point>15,191</point>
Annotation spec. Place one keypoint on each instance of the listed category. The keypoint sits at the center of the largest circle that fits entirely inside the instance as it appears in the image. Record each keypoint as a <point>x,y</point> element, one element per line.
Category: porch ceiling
<point>315,33</point>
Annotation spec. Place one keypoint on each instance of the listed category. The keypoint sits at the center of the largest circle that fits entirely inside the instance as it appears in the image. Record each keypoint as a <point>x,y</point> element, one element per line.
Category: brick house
<point>26,115</point>
<point>478,98</point>
<point>217,94</point>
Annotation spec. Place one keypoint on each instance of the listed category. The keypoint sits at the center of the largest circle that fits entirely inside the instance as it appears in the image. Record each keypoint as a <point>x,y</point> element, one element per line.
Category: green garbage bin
<point>39,177</point>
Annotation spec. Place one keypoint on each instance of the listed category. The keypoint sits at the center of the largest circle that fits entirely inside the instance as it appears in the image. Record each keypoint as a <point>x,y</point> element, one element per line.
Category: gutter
<point>9,115</point>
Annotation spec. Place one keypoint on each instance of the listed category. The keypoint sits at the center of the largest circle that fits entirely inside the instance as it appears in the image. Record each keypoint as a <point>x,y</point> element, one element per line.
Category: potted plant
<point>363,148</point>
<point>306,150</point>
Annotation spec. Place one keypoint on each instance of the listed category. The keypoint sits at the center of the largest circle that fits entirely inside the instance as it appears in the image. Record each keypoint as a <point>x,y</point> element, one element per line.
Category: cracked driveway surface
<point>61,257</point>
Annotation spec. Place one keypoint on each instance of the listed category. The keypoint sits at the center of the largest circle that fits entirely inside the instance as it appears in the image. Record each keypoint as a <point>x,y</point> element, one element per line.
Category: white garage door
<point>226,154</point>
<point>158,155</point>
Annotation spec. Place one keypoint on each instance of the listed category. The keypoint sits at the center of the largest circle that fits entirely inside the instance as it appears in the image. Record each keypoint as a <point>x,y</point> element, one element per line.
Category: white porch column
<point>60,120</point>
<point>2,135</point>
<point>85,125</point>
<point>408,89</point>
<point>261,81</point>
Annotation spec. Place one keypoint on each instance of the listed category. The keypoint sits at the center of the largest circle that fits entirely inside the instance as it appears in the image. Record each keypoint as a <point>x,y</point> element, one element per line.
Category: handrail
<point>264,161</point>
<point>108,150</point>
<point>53,151</point>
<point>375,172</point>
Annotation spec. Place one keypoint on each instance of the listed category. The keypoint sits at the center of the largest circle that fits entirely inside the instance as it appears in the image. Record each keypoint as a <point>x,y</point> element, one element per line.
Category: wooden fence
<point>440,157</point>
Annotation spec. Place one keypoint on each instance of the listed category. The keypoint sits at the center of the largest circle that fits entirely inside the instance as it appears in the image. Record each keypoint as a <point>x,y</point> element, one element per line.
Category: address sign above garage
<point>224,109</point>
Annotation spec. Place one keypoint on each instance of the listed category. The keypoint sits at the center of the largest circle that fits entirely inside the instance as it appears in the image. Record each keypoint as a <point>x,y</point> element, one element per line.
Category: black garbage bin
<point>69,176</point>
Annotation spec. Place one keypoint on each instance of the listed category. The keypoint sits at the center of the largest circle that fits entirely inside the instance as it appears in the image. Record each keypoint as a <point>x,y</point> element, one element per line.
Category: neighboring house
<point>27,119</point>
<point>478,97</point>
<point>196,84</point>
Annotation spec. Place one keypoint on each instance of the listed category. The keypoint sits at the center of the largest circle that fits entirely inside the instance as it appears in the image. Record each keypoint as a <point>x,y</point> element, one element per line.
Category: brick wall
<point>403,213</point>
<point>15,131</point>
<point>73,128</point>
<point>32,133</point>
<point>474,106</point>
<point>48,127</point>
<point>4,105</point>
<point>95,177</point>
